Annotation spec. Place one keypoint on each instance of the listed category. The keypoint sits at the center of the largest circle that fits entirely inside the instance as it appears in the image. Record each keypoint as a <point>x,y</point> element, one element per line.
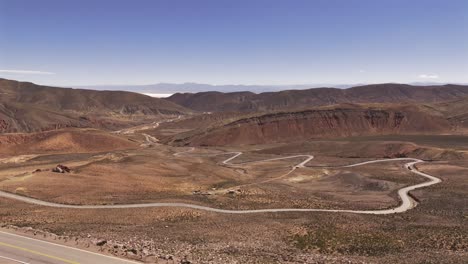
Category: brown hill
<point>300,99</point>
<point>325,122</point>
<point>456,111</point>
<point>27,107</point>
<point>63,141</point>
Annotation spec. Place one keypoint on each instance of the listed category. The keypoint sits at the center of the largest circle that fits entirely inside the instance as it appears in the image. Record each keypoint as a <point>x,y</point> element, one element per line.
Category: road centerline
<point>38,253</point>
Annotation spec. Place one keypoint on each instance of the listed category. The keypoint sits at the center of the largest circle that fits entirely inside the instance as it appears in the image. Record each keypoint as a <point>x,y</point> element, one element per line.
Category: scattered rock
<point>132,251</point>
<point>101,242</point>
<point>238,191</point>
<point>61,169</point>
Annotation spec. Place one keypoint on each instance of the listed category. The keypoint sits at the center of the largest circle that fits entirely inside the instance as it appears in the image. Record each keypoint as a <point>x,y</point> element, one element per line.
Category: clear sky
<point>89,42</point>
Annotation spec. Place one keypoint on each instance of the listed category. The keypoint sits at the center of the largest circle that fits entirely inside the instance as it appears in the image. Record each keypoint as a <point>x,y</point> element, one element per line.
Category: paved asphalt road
<point>16,249</point>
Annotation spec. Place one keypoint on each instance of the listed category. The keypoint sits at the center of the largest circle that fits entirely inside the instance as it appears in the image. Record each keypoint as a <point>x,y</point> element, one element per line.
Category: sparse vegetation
<point>328,239</point>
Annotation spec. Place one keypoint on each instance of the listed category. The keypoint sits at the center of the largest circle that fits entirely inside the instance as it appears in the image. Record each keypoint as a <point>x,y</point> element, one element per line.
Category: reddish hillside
<point>340,121</point>
<point>300,99</point>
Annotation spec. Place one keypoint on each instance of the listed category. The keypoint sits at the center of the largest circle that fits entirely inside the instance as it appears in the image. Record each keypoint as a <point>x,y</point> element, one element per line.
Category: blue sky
<point>61,42</point>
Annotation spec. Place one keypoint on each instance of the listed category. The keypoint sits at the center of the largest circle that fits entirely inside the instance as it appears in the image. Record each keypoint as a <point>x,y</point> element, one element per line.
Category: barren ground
<point>433,232</point>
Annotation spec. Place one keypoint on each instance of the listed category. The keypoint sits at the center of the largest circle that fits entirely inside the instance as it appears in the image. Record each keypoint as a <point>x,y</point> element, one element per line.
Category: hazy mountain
<point>171,88</point>
<point>167,89</point>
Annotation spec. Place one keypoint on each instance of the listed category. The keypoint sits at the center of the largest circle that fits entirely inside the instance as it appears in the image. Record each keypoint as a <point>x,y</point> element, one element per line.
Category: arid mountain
<point>325,122</point>
<point>27,107</point>
<point>301,99</point>
<point>456,111</point>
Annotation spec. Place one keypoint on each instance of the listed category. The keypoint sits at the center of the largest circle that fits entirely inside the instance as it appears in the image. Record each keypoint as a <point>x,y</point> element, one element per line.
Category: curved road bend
<point>407,202</point>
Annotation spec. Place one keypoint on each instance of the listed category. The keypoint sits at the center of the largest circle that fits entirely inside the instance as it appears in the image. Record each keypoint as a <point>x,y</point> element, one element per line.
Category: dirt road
<point>407,202</point>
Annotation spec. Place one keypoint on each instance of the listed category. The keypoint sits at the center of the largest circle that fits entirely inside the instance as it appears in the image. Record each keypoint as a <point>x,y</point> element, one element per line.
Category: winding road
<point>25,250</point>
<point>406,204</point>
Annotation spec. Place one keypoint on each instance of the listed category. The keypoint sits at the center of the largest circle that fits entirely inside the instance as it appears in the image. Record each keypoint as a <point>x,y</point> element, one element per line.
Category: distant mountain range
<point>171,88</point>
<point>167,89</point>
<point>306,98</point>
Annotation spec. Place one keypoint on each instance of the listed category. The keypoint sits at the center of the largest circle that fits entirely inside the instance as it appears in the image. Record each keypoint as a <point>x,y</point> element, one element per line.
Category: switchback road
<point>406,204</point>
